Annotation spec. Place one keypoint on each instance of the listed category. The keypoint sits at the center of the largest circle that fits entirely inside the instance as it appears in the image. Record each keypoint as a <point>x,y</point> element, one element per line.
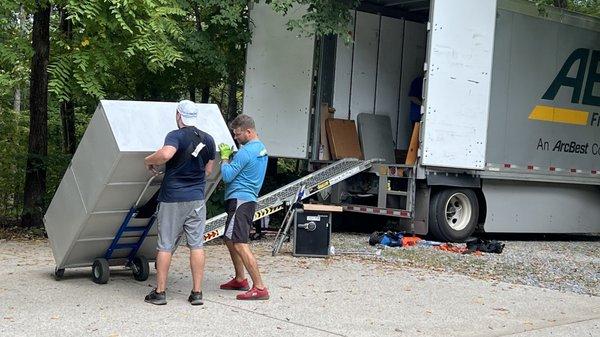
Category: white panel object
<point>131,120</point>
<point>277,89</point>
<point>107,175</point>
<point>458,83</point>
<point>413,59</point>
<point>364,72</point>
<point>389,69</point>
<point>343,74</point>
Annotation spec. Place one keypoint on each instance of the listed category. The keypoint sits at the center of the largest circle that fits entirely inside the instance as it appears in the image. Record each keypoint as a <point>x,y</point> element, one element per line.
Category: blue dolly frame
<point>138,263</point>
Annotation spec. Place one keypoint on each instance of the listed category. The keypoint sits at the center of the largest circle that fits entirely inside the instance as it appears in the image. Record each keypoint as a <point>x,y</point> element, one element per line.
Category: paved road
<point>342,296</point>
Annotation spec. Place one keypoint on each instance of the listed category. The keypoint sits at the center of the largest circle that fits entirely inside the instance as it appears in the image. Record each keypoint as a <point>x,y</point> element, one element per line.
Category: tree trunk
<point>17,101</point>
<point>205,94</point>
<point>67,116</point>
<point>35,177</point>
<point>560,3</point>
<point>67,109</point>
<point>192,90</point>
<point>17,104</point>
<point>232,102</point>
<point>222,98</point>
<point>14,197</point>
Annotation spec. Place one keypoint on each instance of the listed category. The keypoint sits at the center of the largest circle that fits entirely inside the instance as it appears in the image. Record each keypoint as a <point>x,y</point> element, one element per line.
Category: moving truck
<point>510,123</point>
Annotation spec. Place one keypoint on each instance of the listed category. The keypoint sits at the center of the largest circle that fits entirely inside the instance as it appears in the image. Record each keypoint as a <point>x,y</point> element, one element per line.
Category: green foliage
<point>322,17</point>
<point>129,49</point>
<point>107,34</point>
<point>15,50</point>
<point>13,150</point>
<point>589,7</point>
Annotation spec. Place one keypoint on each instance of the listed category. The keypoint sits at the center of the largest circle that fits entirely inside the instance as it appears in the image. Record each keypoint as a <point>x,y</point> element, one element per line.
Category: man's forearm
<point>155,159</point>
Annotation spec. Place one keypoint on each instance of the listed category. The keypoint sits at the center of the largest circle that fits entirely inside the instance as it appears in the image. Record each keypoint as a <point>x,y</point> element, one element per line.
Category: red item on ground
<point>448,247</point>
<point>408,241</point>
<point>236,285</point>
<point>254,294</point>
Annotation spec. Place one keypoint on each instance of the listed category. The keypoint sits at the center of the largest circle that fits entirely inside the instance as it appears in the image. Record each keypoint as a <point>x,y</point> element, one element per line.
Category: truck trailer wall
<point>545,96</point>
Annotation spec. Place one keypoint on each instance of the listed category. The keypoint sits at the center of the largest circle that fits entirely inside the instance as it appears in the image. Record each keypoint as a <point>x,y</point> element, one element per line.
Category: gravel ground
<point>559,265</point>
<point>572,265</point>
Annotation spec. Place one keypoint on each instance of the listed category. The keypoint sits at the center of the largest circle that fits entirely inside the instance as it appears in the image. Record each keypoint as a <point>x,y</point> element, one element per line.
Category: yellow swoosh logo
<point>559,115</point>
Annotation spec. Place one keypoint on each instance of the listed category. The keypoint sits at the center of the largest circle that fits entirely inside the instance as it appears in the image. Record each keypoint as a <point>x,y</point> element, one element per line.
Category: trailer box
<point>510,120</point>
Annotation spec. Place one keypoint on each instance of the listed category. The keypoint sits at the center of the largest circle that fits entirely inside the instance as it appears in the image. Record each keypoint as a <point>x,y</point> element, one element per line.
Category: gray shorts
<point>176,217</point>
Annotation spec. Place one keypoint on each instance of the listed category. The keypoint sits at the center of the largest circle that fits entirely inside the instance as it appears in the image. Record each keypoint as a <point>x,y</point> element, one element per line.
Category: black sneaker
<point>195,298</point>
<point>156,298</point>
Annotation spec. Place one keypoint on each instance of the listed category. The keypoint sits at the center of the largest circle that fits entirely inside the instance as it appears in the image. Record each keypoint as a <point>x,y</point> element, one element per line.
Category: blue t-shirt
<point>184,178</point>
<point>416,90</point>
<point>245,174</point>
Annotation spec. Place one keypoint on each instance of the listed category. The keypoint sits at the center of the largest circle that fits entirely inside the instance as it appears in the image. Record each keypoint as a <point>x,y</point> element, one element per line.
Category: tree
<point>15,56</point>
<point>67,106</point>
<point>590,7</point>
<point>35,178</point>
<point>140,49</point>
<point>322,17</point>
<point>98,41</point>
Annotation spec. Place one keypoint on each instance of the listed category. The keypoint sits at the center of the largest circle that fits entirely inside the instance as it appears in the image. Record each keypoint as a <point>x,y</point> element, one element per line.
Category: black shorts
<point>240,216</point>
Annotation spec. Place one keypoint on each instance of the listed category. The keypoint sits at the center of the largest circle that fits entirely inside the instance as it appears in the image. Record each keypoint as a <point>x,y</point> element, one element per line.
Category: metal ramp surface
<point>313,183</point>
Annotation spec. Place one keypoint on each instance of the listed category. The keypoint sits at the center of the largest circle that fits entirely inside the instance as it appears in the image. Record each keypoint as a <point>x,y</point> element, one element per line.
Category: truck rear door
<point>277,89</point>
<point>457,83</point>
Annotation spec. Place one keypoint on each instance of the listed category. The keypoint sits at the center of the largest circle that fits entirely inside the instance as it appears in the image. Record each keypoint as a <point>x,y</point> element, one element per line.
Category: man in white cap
<point>189,155</point>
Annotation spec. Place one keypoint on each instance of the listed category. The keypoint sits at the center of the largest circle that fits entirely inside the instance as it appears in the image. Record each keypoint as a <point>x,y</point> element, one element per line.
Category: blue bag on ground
<point>390,239</point>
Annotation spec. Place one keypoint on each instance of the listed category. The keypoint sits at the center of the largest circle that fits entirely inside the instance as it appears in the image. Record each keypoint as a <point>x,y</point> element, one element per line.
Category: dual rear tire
<point>453,214</point>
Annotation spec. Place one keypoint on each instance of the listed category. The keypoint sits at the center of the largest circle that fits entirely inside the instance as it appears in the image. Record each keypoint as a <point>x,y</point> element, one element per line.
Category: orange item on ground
<point>448,247</point>
<point>408,241</point>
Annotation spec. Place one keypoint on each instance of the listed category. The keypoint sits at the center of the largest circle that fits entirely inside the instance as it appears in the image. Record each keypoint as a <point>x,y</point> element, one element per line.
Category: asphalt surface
<point>339,296</point>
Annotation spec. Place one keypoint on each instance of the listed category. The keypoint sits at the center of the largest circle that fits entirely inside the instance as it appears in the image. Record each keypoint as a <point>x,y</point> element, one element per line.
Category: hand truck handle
<point>146,187</point>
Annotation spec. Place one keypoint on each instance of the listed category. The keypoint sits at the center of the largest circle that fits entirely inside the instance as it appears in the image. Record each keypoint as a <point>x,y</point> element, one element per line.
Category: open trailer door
<point>458,81</point>
<point>277,89</point>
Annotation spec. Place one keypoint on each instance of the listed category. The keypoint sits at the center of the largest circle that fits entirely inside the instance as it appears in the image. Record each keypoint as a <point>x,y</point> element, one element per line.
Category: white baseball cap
<point>188,111</point>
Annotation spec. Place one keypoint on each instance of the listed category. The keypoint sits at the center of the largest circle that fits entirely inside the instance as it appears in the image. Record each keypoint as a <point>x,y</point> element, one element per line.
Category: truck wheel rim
<point>458,211</point>
<point>96,271</point>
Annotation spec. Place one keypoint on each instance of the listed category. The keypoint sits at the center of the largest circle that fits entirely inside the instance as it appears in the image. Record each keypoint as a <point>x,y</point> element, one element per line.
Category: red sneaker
<point>254,294</point>
<point>236,285</point>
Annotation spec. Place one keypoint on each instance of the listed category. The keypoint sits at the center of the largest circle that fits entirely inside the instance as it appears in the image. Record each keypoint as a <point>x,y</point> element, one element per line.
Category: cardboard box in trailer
<point>510,121</point>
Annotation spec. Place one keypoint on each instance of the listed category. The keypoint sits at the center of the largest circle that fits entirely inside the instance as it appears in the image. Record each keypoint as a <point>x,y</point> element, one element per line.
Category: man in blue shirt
<point>189,155</point>
<point>243,176</point>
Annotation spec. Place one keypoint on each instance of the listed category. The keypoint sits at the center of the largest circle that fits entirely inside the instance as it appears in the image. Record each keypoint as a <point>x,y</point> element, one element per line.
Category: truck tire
<point>453,214</point>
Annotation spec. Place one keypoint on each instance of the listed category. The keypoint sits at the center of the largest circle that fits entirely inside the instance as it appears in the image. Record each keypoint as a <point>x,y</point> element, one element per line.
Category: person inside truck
<point>416,99</point>
<point>243,177</point>
<point>189,155</point>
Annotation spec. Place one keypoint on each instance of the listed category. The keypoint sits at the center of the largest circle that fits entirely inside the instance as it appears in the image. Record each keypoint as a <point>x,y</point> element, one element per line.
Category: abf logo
<point>579,57</point>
